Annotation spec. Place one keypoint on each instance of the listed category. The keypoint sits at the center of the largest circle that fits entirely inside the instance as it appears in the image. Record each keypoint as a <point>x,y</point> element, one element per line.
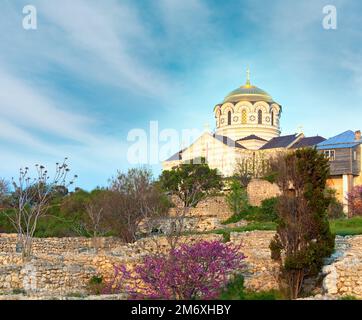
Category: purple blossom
<point>196,271</point>
<point>355,200</point>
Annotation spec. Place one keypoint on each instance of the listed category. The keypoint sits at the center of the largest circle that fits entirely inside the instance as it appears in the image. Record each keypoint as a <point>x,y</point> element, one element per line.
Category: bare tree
<point>95,215</point>
<point>133,198</point>
<point>256,166</point>
<point>4,191</point>
<point>31,201</point>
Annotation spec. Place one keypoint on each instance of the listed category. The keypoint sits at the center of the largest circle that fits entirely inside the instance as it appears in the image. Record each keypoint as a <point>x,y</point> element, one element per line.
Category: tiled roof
<point>251,137</point>
<point>308,142</point>
<point>225,140</point>
<point>279,142</point>
<point>228,141</point>
<point>344,140</point>
<point>176,156</point>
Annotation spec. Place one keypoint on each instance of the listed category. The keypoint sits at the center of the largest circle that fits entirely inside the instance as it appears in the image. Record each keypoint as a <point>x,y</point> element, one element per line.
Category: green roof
<point>248,93</point>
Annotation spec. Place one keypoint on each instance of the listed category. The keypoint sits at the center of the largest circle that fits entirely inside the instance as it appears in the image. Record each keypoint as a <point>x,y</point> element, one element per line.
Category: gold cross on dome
<point>248,76</point>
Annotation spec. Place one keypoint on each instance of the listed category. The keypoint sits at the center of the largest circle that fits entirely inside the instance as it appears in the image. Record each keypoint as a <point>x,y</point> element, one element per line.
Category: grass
<point>248,214</point>
<point>250,227</point>
<point>235,290</point>
<point>348,298</point>
<point>341,227</point>
<point>346,227</point>
<point>253,226</point>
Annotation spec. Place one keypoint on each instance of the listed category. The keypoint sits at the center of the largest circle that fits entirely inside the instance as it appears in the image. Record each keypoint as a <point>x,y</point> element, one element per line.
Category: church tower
<point>248,113</point>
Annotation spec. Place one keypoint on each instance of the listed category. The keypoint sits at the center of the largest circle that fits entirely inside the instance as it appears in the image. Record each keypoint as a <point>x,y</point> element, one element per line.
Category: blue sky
<point>94,70</point>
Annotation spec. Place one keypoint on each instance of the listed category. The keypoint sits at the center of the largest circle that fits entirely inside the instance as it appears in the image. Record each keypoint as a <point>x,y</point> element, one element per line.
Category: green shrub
<point>19,291</point>
<point>268,210</point>
<point>348,298</point>
<point>226,237</point>
<point>237,198</point>
<point>335,208</point>
<point>303,239</point>
<point>96,285</point>
<point>235,290</point>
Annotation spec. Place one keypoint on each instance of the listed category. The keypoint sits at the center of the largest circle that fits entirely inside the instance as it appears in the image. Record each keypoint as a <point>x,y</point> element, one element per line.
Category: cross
<point>248,76</point>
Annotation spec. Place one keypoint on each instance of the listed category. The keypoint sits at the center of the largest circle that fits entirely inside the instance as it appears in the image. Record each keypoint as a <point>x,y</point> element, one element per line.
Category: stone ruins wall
<point>189,224</point>
<point>60,268</point>
<point>211,207</point>
<point>63,269</point>
<point>59,245</point>
<point>344,274</point>
<point>261,271</point>
<point>259,190</point>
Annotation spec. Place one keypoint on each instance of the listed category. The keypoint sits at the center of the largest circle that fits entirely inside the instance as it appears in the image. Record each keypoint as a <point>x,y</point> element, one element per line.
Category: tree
<point>256,166</point>
<point>95,212</point>
<point>31,200</point>
<point>196,271</point>
<point>132,198</point>
<point>190,183</point>
<point>303,237</point>
<point>237,198</point>
<point>4,193</point>
<point>355,201</point>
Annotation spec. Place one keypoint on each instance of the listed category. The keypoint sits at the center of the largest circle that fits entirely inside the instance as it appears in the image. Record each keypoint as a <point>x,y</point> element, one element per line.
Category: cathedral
<point>247,128</point>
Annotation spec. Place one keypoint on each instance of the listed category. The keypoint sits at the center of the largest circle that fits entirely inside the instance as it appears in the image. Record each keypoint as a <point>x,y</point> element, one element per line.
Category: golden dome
<point>248,93</point>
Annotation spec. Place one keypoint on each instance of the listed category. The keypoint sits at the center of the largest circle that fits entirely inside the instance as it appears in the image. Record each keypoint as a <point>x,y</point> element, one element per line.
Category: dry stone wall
<point>259,190</point>
<point>215,206</point>
<point>261,271</point>
<point>344,274</point>
<point>59,268</point>
<point>59,245</point>
<point>64,269</point>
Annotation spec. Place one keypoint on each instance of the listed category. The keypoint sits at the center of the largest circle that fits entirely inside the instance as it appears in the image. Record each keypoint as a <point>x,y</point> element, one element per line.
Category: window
<point>330,155</point>
<point>272,118</point>
<point>243,117</point>
<point>229,118</point>
<point>260,117</point>
<point>355,155</point>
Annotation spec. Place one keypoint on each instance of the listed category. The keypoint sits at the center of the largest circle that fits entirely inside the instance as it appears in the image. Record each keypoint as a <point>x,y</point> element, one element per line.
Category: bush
<point>348,297</point>
<point>96,285</point>
<point>303,238</point>
<point>196,271</point>
<point>355,201</point>
<point>235,290</point>
<point>237,199</point>
<point>268,210</point>
<point>335,209</point>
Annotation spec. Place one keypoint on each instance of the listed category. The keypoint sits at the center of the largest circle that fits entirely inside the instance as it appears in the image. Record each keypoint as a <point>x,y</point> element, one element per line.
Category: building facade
<point>344,154</point>
<point>247,129</point>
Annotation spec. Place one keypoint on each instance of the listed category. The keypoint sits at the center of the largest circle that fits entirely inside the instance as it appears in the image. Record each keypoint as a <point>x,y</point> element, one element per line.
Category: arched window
<point>229,118</point>
<point>243,116</point>
<point>272,118</point>
<point>260,117</point>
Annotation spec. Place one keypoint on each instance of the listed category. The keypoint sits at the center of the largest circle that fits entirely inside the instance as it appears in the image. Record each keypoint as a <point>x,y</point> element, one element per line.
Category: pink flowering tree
<point>196,271</point>
<point>355,201</point>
